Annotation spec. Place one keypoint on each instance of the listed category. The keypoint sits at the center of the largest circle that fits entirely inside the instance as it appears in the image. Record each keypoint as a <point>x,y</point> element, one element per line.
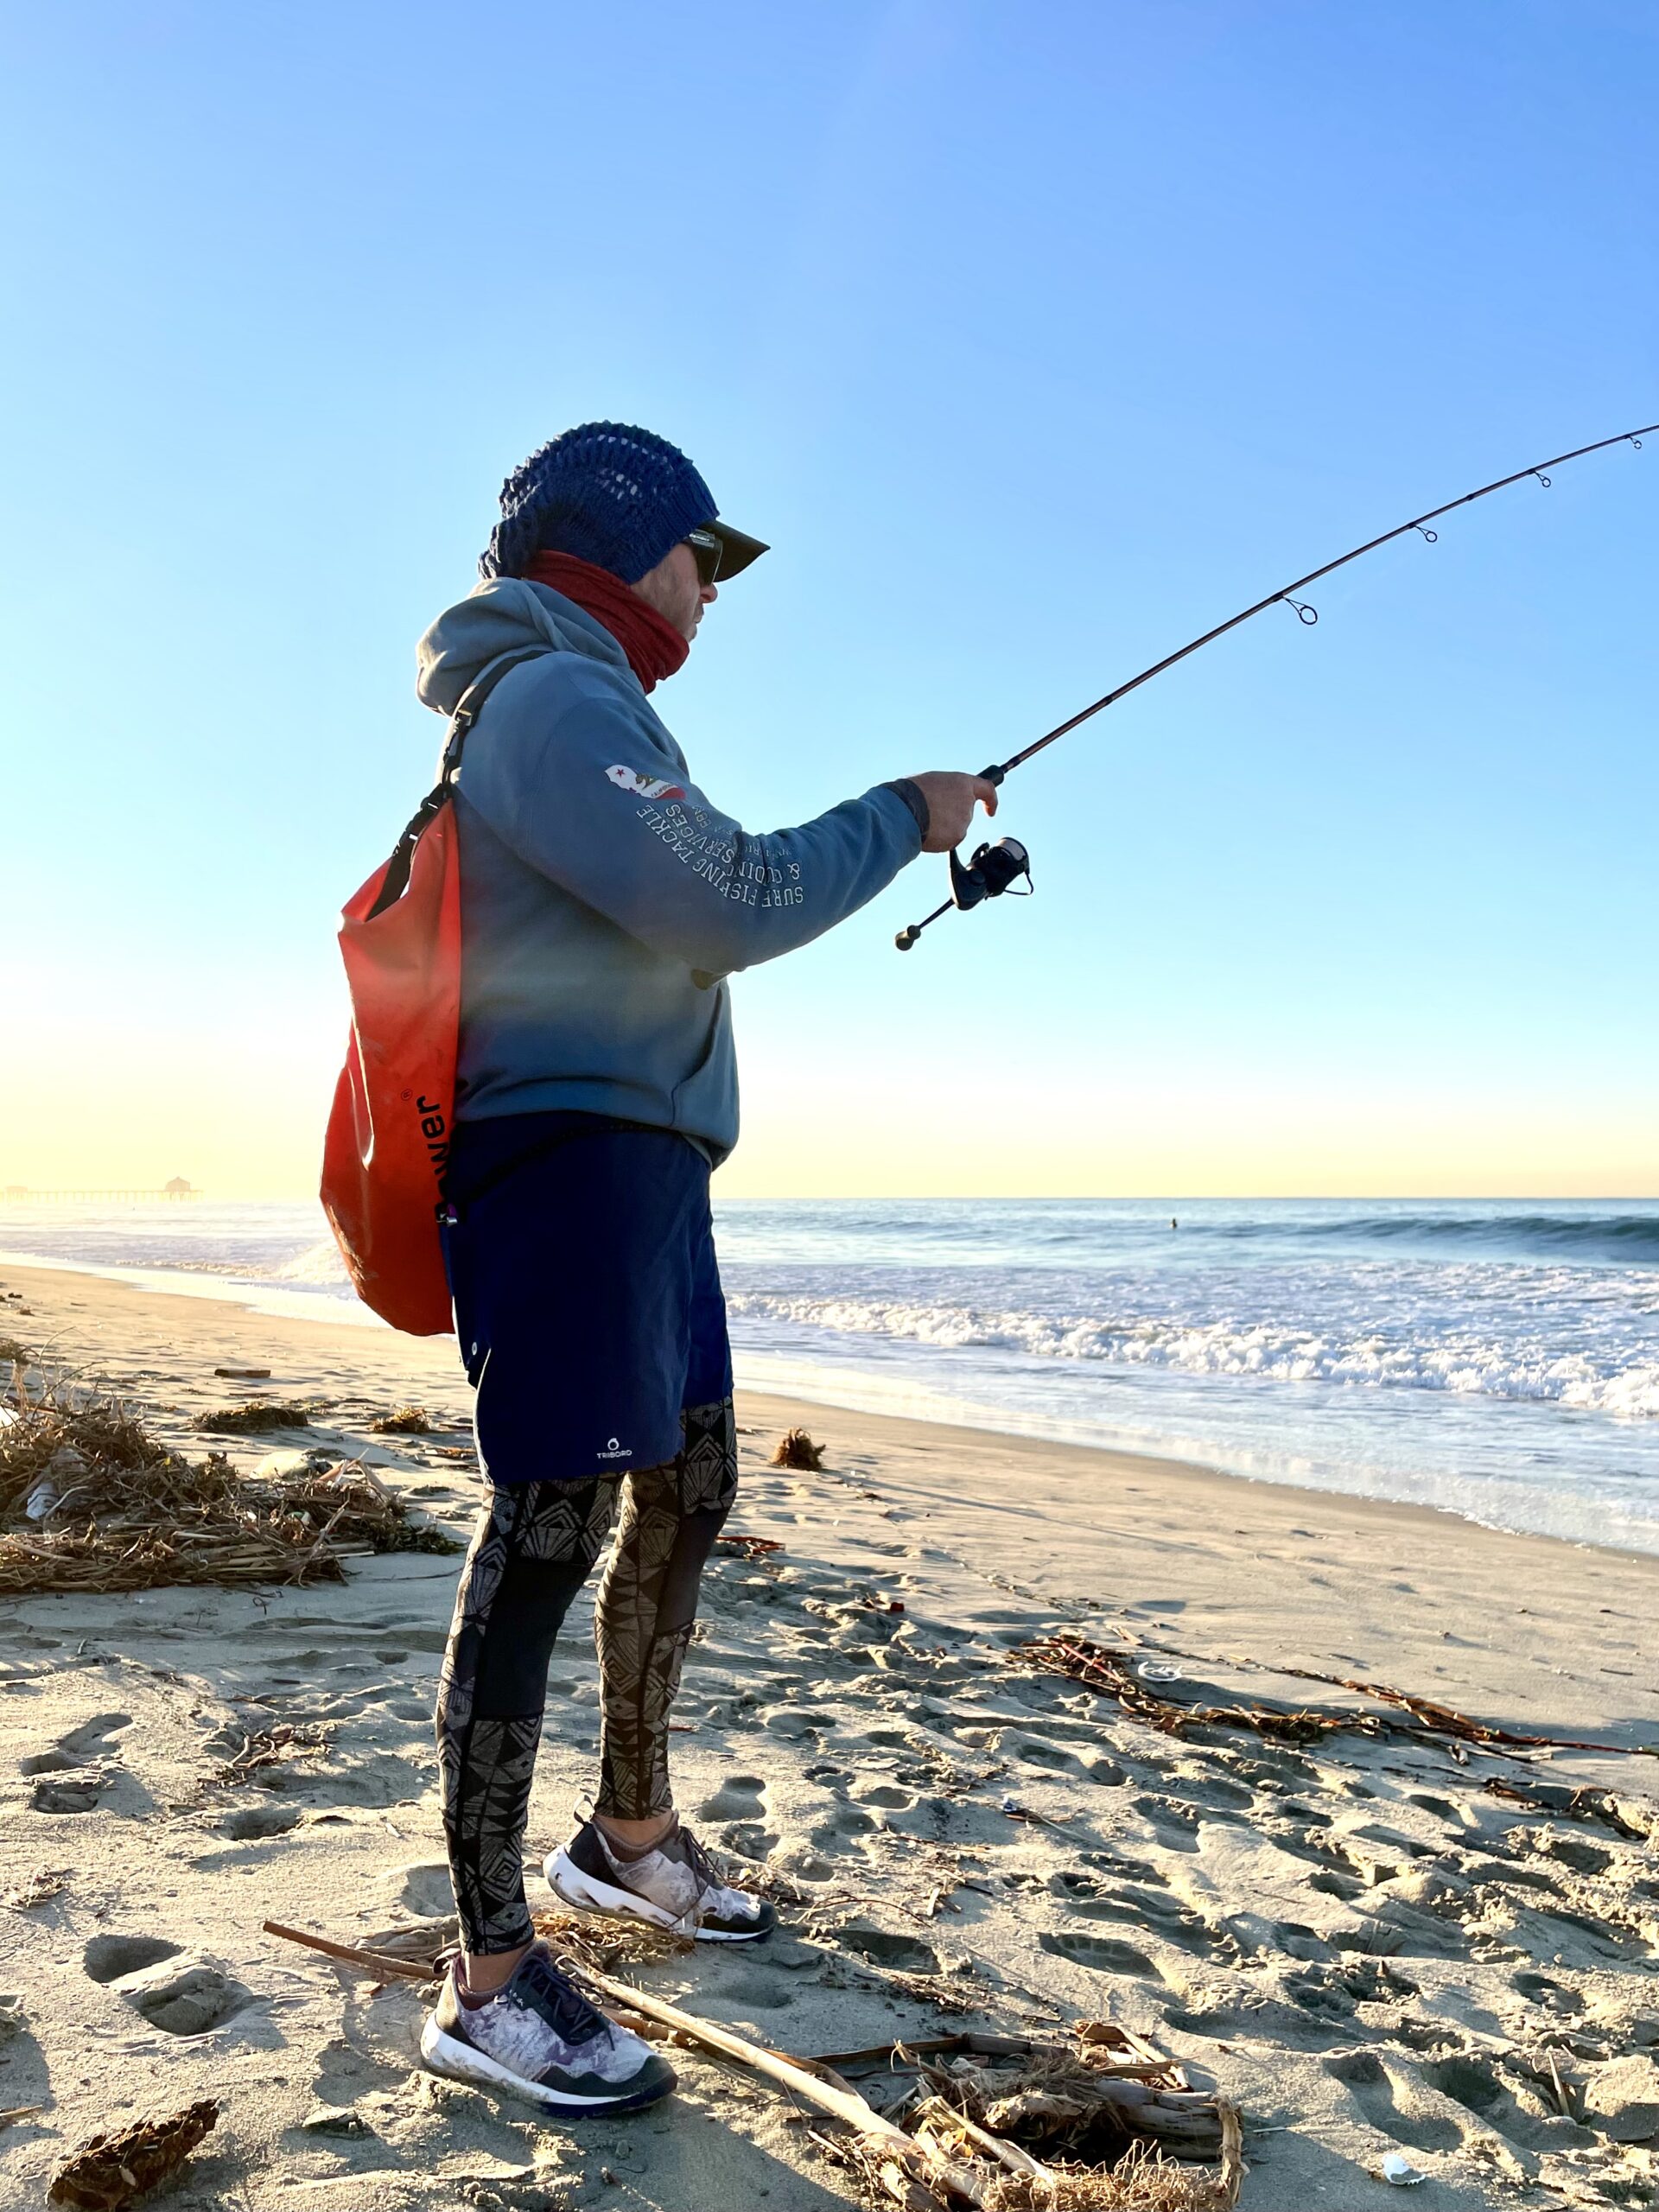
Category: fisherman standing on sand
<point>604,900</point>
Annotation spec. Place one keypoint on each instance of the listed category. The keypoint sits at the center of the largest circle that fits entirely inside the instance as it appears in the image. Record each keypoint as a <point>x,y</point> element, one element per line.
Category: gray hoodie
<point>603,897</point>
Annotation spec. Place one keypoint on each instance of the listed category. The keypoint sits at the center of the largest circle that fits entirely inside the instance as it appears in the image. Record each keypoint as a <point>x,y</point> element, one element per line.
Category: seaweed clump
<point>797,1449</point>
<point>408,1420</point>
<point>258,1418</point>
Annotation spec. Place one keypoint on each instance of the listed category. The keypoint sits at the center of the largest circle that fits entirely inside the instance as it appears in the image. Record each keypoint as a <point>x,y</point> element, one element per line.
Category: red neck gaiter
<point>654,647</point>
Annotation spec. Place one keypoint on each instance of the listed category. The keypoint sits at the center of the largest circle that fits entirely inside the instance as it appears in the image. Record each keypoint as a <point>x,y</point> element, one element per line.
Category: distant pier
<point>16,1194</point>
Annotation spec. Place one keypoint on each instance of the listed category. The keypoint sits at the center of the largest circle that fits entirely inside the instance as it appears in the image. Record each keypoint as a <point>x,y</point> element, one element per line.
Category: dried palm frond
<point>111,2170</point>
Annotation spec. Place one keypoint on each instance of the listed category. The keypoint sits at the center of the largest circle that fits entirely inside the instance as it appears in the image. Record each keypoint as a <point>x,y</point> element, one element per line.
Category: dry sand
<point>1357,1941</point>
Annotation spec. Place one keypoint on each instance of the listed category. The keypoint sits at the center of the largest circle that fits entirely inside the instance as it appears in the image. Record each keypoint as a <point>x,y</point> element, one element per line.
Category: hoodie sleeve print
<point>592,802</point>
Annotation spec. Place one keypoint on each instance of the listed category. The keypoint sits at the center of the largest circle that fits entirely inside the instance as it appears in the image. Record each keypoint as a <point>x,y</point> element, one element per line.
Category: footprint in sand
<point>344,2073</point>
<point>794,1854</point>
<point>1441,1808</point>
<point>1112,1862</point>
<point>1174,1825</point>
<point>423,1889</point>
<point>738,1798</point>
<point>884,1947</point>
<point>82,1747</point>
<point>886,1796</point>
<point>738,1805</point>
<point>1582,1857</point>
<point>64,1797</point>
<point>1031,1752</point>
<point>754,1985</point>
<point>1549,1996</point>
<point>1211,1790</point>
<point>1100,1952</point>
<point>791,1726</point>
<point>106,1958</point>
<point>840,1827</point>
<point>1374,2089</point>
<point>1300,2014</point>
<point>253,1823</point>
<point>1158,1915</point>
<point>1472,2081</point>
<point>183,2000</point>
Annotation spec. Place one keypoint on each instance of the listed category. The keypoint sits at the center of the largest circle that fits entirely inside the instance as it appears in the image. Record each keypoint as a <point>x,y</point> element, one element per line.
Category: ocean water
<point>1500,1360</point>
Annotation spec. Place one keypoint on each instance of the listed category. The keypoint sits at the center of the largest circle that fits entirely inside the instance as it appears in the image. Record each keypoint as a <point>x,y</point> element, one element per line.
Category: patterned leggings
<point>533,1548</point>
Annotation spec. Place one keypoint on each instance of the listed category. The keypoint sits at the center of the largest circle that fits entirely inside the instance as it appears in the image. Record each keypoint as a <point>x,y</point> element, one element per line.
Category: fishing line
<point>993,869</point>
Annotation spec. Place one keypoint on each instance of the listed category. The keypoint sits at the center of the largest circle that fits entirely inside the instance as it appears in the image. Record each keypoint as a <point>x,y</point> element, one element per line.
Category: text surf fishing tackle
<point>994,870</point>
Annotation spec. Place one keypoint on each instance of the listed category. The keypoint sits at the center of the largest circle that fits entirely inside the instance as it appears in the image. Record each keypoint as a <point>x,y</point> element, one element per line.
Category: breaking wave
<point>320,1264</point>
<point>1462,1363</point>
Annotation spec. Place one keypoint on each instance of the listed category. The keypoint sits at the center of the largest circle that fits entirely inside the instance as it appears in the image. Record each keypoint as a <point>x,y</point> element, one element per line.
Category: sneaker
<point>541,2038</point>
<point>675,1886</point>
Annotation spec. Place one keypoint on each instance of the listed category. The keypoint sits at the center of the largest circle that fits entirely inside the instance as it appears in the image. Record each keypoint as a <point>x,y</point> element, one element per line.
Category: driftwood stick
<point>375,1962</point>
<point>839,2102</point>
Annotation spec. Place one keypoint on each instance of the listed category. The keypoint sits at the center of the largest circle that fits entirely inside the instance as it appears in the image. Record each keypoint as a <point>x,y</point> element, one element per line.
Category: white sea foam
<point>1461,1364</point>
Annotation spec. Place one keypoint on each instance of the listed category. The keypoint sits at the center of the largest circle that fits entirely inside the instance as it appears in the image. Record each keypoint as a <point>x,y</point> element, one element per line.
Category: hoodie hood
<point>503,616</point>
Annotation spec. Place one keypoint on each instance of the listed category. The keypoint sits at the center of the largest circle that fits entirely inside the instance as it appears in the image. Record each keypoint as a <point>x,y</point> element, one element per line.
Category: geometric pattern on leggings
<point>647,1606</point>
<point>539,1542</point>
<point>487,1761</point>
<point>707,1460</point>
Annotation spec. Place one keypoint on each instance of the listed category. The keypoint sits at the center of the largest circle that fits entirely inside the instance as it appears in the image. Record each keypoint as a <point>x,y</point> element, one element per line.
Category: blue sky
<point>1036,338</point>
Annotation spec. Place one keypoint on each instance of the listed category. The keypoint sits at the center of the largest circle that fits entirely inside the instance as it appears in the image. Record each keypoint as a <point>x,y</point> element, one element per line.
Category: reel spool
<point>992,870</point>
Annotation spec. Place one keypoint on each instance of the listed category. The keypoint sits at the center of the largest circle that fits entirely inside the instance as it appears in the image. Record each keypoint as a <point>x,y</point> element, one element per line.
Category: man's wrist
<point>914,799</point>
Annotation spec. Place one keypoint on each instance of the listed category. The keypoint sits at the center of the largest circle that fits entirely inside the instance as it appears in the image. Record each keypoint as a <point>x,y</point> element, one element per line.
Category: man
<point>604,900</point>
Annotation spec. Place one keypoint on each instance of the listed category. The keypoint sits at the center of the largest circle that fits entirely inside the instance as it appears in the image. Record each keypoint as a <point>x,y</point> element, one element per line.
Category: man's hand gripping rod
<point>994,867</point>
<point>992,870</point>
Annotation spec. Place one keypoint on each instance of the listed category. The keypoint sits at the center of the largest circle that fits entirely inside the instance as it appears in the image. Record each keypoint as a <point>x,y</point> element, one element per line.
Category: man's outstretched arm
<point>588,806</point>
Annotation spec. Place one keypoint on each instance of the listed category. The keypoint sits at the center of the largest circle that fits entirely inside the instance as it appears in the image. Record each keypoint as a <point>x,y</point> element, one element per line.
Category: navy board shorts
<point>588,1300</point>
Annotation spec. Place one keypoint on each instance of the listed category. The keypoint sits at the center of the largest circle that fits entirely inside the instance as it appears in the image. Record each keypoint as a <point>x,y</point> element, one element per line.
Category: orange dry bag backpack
<point>388,1137</point>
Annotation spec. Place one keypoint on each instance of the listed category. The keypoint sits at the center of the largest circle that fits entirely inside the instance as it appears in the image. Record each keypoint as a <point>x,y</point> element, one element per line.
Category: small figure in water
<point>1174,1223</point>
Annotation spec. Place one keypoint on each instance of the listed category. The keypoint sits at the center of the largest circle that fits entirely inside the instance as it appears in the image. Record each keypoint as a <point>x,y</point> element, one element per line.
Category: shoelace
<point>693,1856</point>
<point>699,1861</point>
<point>571,2015</point>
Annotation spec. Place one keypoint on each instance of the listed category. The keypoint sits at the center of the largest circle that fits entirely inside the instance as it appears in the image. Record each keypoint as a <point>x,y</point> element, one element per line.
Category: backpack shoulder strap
<point>466,714</point>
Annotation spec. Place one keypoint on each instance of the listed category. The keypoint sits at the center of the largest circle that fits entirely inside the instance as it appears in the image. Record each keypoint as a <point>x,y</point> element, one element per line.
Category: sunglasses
<point>705,551</point>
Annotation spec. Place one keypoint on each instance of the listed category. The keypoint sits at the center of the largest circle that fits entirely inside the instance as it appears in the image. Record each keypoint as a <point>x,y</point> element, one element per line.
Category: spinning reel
<point>991,871</point>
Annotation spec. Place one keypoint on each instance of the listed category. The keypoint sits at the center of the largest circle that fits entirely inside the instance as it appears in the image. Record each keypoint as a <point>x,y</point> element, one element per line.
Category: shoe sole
<point>460,2062</point>
<point>566,1880</point>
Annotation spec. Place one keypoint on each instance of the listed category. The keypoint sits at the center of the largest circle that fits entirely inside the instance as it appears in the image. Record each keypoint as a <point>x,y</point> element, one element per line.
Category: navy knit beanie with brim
<point>606,493</point>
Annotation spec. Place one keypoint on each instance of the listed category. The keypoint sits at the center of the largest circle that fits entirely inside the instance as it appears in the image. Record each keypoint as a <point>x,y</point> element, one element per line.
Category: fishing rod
<point>994,870</point>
